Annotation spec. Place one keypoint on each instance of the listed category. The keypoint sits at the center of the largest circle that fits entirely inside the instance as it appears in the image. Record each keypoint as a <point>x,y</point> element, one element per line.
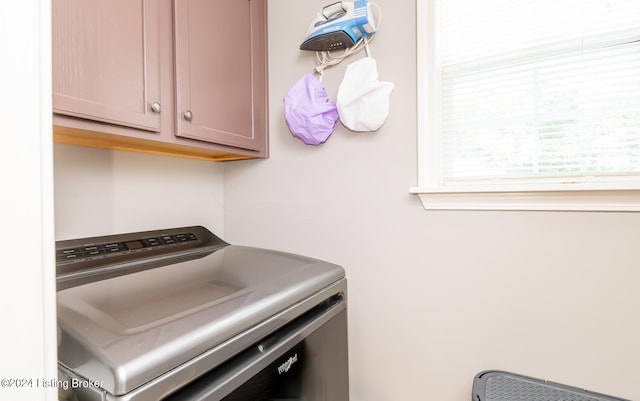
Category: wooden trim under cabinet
<point>78,136</point>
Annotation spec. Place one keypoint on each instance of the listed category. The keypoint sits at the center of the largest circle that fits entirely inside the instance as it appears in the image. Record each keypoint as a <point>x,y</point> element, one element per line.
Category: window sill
<point>557,200</point>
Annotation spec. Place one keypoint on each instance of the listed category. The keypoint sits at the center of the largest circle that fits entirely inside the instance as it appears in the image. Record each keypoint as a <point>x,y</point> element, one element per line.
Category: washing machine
<point>180,314</point>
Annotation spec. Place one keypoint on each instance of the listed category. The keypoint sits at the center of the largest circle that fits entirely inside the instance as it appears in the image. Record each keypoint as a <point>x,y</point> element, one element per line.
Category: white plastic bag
<point>363,101</point>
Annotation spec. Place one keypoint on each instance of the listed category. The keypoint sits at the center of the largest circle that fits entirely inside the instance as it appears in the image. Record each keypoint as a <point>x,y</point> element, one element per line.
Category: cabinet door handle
<point>188,115</point>
<point>155,106</point>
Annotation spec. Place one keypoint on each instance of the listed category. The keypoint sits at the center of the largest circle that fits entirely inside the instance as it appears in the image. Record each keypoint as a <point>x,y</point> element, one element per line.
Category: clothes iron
<point>339,26</point>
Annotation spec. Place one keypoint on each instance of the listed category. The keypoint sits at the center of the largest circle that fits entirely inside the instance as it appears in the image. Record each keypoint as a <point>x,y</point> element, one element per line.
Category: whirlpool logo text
<point>284,368</point>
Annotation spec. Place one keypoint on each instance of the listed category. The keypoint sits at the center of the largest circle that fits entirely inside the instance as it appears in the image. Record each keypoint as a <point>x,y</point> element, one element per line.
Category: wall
<point>435,297</point>
<point>27,290</point>
<point>100,192</point>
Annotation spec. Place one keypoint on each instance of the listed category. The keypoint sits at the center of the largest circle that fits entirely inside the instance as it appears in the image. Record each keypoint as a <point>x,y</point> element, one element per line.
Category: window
<point>529,105</point>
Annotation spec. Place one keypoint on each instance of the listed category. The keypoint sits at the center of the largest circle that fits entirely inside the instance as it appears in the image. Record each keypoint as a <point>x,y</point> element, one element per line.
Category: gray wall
<point>435,297</point>
<point>100,192</point>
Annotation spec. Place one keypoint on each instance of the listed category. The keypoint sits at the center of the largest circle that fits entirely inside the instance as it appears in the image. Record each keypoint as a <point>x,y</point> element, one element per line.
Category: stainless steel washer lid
<point>125,331</point>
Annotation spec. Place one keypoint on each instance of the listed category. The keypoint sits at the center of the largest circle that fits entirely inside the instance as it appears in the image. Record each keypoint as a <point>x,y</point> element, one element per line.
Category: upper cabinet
<point>220,86</point>
<point>182,77</point>
<point>106,61</point>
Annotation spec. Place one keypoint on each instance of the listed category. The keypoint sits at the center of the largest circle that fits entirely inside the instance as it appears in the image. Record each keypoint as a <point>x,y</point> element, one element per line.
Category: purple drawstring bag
<point>309,112</point>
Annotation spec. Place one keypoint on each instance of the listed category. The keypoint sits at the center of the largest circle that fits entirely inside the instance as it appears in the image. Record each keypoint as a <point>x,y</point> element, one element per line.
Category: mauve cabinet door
<point>221,71</point>
<point>106,64</point>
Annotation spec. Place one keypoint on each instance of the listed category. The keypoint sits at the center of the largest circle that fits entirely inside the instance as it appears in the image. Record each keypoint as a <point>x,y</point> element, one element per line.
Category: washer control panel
<point>80,261</point>
<point>102,250</point>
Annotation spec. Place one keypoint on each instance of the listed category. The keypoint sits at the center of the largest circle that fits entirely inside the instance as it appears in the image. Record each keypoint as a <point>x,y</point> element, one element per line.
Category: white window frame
<point>623,196</point>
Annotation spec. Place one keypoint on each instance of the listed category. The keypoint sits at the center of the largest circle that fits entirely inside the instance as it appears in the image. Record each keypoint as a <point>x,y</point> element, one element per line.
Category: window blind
<point>539,92</point>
